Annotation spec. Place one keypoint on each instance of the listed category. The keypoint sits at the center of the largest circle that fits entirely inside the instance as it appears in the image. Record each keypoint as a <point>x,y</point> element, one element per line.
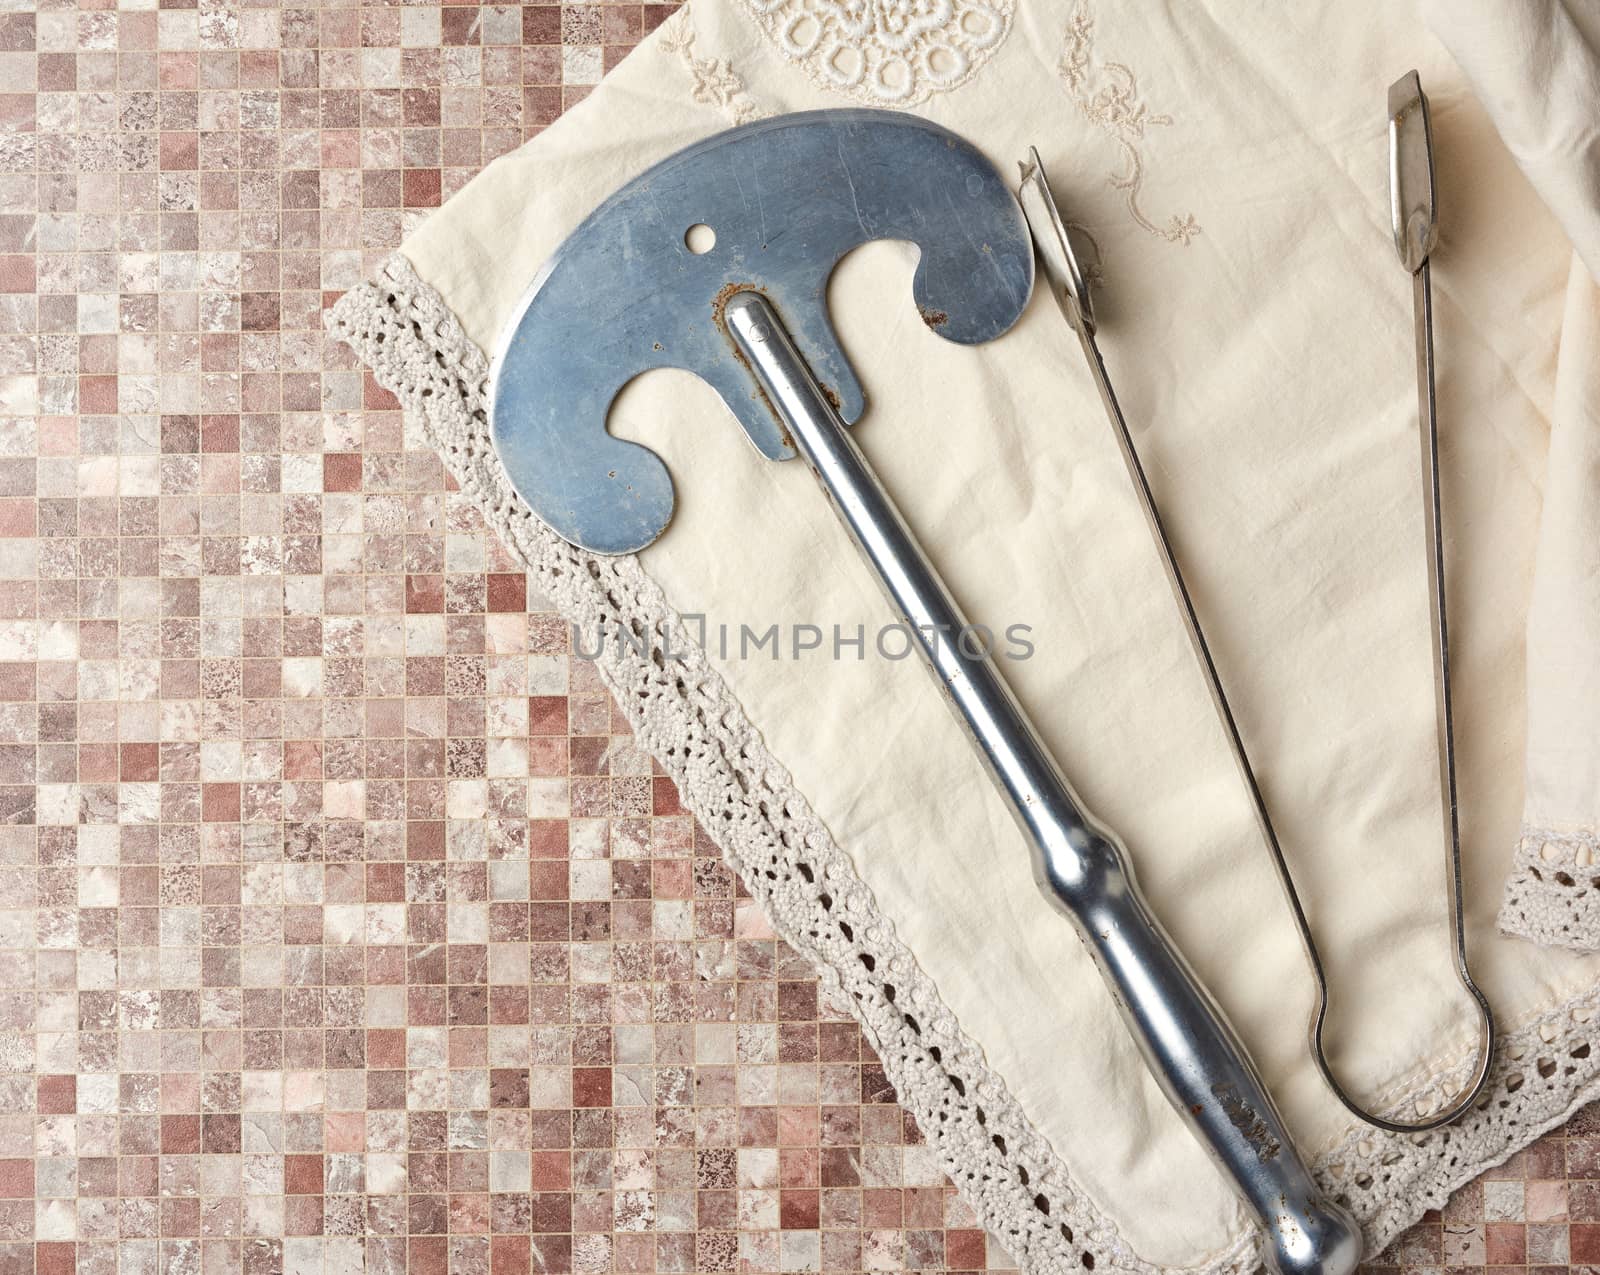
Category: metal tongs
<point>1415,234</point>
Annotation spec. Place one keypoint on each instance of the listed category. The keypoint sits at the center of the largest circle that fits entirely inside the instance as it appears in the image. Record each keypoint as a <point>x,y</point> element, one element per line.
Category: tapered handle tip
<point>1320,1239</point>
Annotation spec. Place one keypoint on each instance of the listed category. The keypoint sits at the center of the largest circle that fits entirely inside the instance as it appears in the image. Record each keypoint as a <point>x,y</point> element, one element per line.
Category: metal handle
<point>1079,864</point>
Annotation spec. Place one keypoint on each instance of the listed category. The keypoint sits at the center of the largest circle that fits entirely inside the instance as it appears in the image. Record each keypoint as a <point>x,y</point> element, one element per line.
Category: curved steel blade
<point>786,199</point>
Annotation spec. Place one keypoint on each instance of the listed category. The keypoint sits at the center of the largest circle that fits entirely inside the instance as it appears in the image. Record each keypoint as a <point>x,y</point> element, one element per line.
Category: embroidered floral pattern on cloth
<point>715,82</point>
<point>1107,94</point>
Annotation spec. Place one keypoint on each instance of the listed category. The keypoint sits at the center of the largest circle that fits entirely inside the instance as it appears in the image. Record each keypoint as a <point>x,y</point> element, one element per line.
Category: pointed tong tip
<point>1051,242</point>
<point>1411,187</point>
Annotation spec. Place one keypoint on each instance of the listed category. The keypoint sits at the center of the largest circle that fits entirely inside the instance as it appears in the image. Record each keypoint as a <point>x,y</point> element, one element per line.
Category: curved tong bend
<point>1415,231</point>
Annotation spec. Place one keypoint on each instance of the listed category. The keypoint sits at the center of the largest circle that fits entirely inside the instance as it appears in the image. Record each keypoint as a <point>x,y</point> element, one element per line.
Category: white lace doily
<point>885,52</point>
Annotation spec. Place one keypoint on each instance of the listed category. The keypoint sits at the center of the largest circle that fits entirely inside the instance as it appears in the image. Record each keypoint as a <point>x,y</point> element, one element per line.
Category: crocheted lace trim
<point>687,718</point>
<point>1553,895</point>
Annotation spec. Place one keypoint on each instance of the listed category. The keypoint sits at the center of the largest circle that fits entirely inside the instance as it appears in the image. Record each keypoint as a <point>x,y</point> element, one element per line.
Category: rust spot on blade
<point>933,318</point>
<point>725,294</point>
<point>719,306</point>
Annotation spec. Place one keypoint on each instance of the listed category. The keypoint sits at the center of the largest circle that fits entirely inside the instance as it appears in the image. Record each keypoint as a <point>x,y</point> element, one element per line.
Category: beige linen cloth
<point>1228,162</point>
<point>1538,68</point>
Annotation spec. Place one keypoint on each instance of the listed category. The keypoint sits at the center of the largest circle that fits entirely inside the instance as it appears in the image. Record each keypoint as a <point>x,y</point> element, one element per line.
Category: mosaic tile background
<point>342,928</point>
